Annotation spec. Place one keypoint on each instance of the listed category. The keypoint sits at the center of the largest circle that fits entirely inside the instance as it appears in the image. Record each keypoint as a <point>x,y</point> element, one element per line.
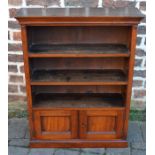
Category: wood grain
<point>57,124</point>
<point>105,124</point>
<point>78,66</point>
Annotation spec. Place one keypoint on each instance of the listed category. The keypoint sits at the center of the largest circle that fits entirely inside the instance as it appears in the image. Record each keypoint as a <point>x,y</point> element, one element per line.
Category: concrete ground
<point>19,140</point>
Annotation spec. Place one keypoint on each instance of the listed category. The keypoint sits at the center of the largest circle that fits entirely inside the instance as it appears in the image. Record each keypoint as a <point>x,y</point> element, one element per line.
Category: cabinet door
<point>55,124</point>
<point>101,124</point>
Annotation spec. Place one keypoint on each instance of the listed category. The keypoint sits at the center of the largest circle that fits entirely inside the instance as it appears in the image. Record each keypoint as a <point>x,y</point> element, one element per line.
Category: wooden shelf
<point>79,74</point>
<point>78,77</point>
<point>72,100</point>
<point>78,50</point>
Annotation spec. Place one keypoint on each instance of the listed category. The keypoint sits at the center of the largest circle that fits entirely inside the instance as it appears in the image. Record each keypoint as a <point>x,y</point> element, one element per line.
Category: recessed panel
<point>55,124</point>
<point>101,124</point>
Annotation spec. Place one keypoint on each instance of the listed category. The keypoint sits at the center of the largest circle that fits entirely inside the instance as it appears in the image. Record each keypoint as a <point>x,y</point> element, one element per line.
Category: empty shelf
<point>89,50</point>
<point>78,76</point>
<point>42,100</point>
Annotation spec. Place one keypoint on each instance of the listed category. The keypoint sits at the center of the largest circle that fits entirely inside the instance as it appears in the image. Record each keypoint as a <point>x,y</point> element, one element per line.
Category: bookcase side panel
<point>27,77</point>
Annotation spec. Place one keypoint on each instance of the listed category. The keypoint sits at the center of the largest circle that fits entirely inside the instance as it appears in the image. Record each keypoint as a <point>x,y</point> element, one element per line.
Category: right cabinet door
<point>101,124</point>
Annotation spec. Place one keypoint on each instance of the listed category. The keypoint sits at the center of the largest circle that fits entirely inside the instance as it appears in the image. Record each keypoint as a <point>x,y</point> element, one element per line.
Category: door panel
<point>101,124</point>
<point>55,124</point>
<point>107,124</point>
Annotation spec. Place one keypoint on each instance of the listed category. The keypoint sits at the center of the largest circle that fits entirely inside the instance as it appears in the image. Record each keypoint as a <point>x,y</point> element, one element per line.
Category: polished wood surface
<point>105,124</point>
<point>79,12</point>
<point>79,68</point>
<point>58,124</point>
<point>79,143</point>
<point>79,16</point>
<point>130,77</point>
<point>27,78</point>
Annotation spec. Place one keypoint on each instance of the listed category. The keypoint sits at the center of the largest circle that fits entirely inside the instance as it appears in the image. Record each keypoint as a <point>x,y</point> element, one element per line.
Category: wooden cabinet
<point>103,124</point>
<point>78,124</point>
<point>78,66</point>
<point>55,124</point>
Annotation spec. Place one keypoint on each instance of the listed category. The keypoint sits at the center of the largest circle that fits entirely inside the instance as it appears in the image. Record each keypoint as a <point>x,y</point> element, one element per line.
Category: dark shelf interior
<point>89,89</point>
<point>72,100</point>
<point>78,76</point>
<point>79,49</point>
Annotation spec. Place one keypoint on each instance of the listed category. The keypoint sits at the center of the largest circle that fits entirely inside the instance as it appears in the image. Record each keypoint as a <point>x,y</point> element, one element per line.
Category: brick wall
<point>15,54</point>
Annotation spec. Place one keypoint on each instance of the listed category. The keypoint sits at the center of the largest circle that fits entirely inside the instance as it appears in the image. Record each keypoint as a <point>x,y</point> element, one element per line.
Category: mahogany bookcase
<point>79,68</point>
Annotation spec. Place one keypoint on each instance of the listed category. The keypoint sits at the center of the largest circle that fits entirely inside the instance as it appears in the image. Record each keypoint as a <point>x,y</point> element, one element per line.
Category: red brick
<point>141,30</point>
<point>53,2</point>
<point>13,25</point>
<point>16,78</point>
<point>140,73</point>
<point>118,3</point>
<point>8,35</point>
<point>143,6</point>
<point>17,36</point>
<point>138,62</point>
<point>15,47</point>
<point>140,52</point>
<point>83,3</point>
<point>42,2</point>
<point>16,98</point>
<point>12,68</point>
<point>15,2</point>
<point>145,63</point>
<point>139,93</point>
<point>13,88</point>
<point>144,20</point>
<point>22,69</point>
<point>12,12</point>
<point>15,58</point>
<point>139,39</point>
<point>137,83</point>
<point>22,88</point>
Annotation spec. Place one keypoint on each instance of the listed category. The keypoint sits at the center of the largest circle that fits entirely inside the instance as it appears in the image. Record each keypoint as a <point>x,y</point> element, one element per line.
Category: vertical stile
<point>130,77</point>
<point>27,77</point>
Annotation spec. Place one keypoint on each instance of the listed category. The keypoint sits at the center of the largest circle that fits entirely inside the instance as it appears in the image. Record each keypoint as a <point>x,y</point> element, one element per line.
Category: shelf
<point>72,100</point>
<point>78,77</point>
<point>79,50</point>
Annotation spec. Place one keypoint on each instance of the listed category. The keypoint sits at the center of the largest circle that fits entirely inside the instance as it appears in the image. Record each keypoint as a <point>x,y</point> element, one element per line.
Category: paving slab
<point>84,153</point>
<point>41,151</point>
<point>118,151</point>
<point>94,150</point>
<point>19,142</point>
<point>143,127</point>
<point>17,128</point>
<point>138,152</point>
<point>17,151</point>
<point>138,146</point>
<point>134,133</point>
<point>27,134</point>
<point>74,149</point>
<point>66,152</point>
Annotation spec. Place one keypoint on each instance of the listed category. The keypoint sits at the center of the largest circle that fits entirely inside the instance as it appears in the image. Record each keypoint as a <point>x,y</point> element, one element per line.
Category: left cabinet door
<point>55,124</point>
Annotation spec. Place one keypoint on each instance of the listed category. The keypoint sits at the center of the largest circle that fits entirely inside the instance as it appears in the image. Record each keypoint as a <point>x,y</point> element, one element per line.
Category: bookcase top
<point>104,14</point>
<point>79,12</point>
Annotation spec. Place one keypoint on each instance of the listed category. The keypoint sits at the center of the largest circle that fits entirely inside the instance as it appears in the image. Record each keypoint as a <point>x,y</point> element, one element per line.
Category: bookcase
<point>79,68</point>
